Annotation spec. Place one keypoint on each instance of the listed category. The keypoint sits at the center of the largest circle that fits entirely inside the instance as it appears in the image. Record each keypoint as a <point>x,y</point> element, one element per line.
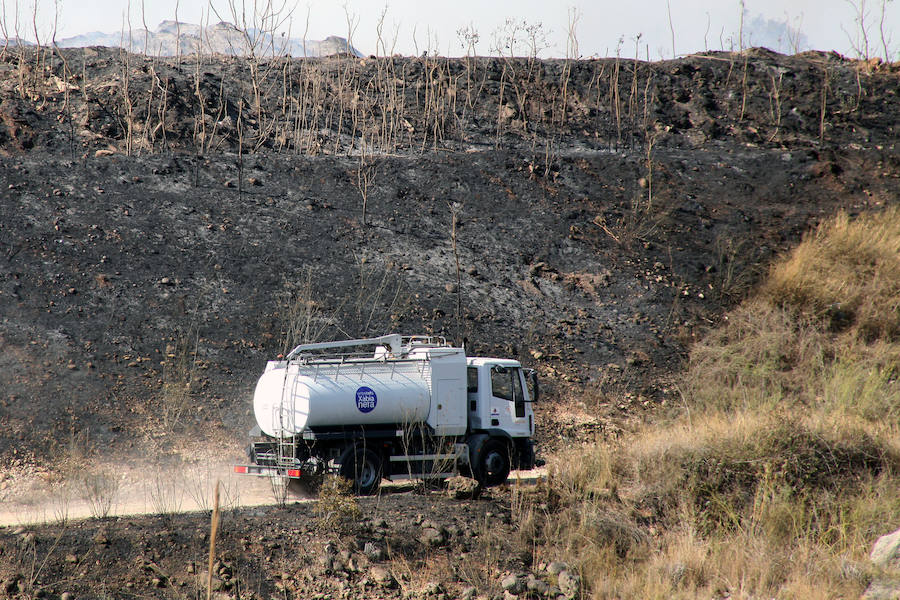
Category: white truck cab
<point>499,396</point>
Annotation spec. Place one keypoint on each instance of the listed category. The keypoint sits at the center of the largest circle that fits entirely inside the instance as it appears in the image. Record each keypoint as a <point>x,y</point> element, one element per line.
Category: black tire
<point>362,468</point>
<point>493,463</point>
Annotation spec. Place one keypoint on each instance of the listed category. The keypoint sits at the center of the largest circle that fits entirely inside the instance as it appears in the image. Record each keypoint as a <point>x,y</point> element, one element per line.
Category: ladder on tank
<point>287,445</point>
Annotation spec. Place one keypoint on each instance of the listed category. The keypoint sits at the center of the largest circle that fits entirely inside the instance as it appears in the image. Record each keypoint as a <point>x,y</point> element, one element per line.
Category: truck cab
<point>500,394</point>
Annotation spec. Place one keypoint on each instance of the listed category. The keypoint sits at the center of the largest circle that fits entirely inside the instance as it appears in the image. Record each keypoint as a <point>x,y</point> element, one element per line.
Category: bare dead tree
<point>366,170</point>
<point>859,39</point>
<point>455,209</point>
<point>885,39</point>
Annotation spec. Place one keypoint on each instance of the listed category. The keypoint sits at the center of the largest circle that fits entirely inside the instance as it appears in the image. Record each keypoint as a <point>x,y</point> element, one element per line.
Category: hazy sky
<point>412,26</point>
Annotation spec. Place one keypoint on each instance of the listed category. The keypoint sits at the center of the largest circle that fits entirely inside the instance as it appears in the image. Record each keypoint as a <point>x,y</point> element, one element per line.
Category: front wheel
<point>493,463</point>
<point>362,468</point>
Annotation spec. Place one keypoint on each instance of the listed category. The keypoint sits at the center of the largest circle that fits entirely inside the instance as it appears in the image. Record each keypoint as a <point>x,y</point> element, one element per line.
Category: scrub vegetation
<point>780,468</point>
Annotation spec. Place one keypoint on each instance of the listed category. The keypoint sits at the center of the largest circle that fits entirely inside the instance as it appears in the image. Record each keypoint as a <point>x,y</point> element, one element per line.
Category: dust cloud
<point>132,487</point>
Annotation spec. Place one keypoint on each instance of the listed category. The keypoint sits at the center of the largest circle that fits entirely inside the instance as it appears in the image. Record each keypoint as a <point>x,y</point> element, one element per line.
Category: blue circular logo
<point>366,399</point>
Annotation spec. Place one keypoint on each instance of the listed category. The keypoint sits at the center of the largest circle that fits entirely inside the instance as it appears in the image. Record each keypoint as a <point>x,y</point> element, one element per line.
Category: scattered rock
<point>886,556</point>
<point>463,488</point>
<point>538,586</point>
<point>373,551</point>
<point>512,583</point>
<point>886,551</point>
<point>382,576</point>
<point>556,567</point>
<point>569,584</point>
<point>883,589</point>
<point>432,537</point>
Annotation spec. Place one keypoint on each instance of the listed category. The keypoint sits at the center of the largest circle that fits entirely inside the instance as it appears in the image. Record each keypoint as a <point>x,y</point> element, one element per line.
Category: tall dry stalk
<point>823,103</point>
<point>571,55</point>
<point>614,94</point>
<point>366,171</point>
<point>743,90</point>
<point>672,28</point>
<point>775,103</point>
<point>213,529</point>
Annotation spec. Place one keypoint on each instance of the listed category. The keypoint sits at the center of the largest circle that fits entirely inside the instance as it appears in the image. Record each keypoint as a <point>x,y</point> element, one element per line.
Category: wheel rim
<point>367,474</point>
<point>494,463</point>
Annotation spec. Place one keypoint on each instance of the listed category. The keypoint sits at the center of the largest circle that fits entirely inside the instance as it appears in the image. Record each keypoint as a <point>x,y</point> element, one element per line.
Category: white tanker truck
<point>415,407</point>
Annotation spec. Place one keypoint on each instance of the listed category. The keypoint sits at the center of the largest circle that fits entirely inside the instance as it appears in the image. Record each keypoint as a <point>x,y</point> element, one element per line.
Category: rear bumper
<point>266,471</point>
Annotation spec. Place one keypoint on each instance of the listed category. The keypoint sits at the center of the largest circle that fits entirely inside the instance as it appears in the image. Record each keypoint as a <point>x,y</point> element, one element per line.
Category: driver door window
<point>508,385</point>
<point>501,385</point>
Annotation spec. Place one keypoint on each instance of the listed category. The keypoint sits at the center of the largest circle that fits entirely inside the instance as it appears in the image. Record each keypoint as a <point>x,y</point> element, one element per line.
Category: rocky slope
<point>165,230</point>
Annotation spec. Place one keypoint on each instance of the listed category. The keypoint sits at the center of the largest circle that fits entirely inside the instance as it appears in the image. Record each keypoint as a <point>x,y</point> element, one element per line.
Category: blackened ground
<point>394,547</point>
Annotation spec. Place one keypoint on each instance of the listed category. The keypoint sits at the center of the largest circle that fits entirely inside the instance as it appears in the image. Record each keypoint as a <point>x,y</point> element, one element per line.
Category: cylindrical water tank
<point>289,399</point>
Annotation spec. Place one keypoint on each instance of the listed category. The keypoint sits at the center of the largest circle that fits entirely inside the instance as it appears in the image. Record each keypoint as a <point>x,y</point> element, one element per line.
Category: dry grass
<point>822,333</point>
<point>847,274</point>
<point>780,472</point>
<point>750,503</point>
<point>99,489</point>
<point>337,509</point>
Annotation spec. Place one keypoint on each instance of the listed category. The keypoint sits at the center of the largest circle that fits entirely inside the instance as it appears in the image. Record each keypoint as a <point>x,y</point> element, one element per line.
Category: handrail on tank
<point>393,340</point>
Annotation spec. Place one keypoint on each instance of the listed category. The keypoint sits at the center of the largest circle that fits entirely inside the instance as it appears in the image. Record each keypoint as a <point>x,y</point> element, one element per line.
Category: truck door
<point>472,397</point>
<point>508,401</point>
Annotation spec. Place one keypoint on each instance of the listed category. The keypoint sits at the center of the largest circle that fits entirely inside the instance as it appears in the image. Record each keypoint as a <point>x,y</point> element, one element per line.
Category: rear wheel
<point>493,464</point>
<point>363,468</point>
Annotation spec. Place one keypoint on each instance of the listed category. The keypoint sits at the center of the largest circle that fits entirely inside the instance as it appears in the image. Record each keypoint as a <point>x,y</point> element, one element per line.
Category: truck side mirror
<point>531,378</point>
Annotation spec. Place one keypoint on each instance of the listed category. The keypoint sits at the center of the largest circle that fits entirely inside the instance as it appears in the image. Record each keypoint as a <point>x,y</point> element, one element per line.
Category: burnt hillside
<point>167,225</point>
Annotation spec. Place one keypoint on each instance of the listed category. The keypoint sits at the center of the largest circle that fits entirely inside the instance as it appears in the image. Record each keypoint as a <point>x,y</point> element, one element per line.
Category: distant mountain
<point>172,37</point>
